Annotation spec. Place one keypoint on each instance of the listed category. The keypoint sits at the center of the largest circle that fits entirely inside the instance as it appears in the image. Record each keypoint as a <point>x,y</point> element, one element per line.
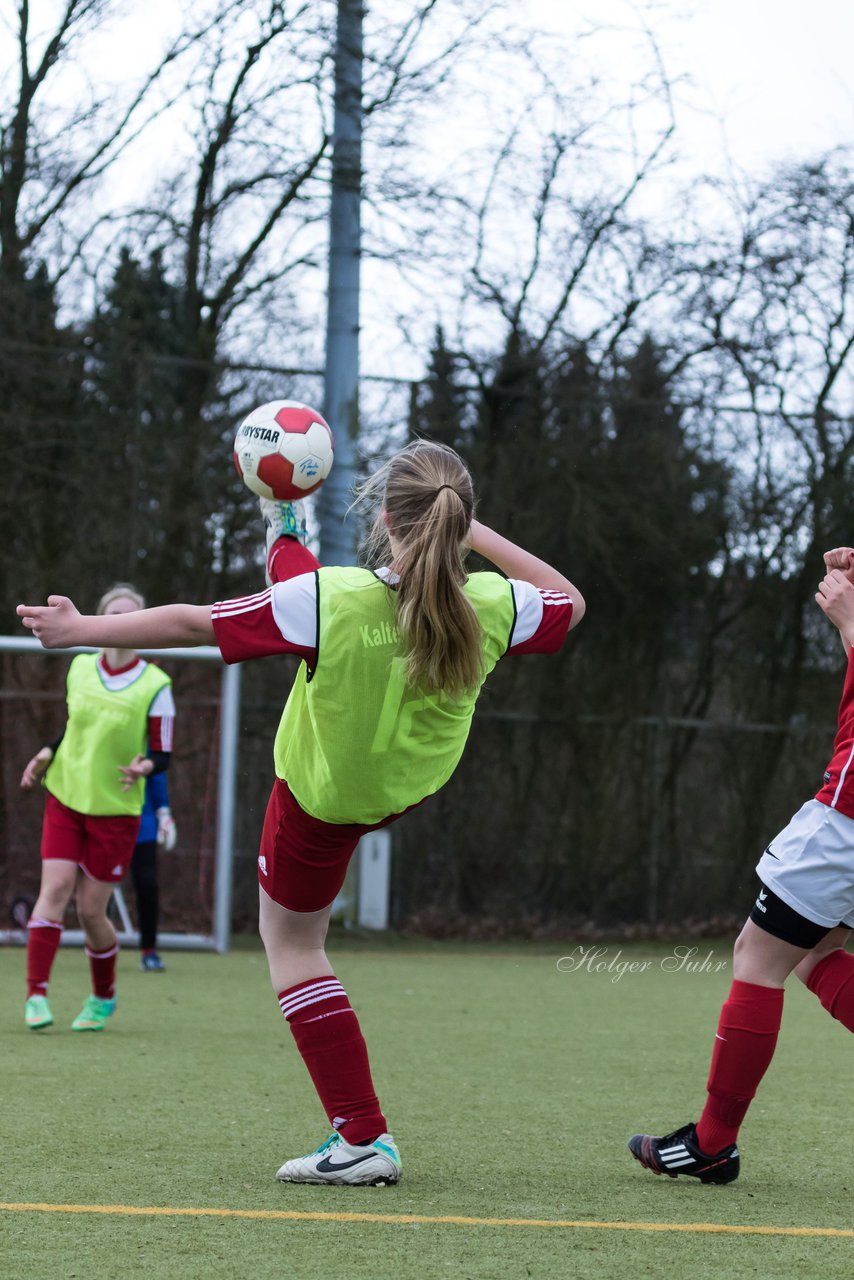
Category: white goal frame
<point>220,938</point>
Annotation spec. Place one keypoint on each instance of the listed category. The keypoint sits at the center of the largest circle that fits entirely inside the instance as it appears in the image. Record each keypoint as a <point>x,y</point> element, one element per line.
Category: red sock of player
<point>42,942</point>
<point>832,980</point>
<point>102,966</point>
<point>329,1038</point>
<point>744,1046</point>
<point>288,558</point>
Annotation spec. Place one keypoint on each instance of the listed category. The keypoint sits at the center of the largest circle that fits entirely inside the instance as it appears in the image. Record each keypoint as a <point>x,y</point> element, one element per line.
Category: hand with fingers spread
<point>139,767</point>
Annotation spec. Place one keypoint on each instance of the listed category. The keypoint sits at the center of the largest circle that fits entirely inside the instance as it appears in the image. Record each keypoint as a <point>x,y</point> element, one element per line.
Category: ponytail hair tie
<point>446,486</point>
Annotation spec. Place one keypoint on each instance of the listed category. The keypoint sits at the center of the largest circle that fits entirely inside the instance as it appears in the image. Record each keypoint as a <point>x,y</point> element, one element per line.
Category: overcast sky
<point>755,81</point>
<point>770,78</point>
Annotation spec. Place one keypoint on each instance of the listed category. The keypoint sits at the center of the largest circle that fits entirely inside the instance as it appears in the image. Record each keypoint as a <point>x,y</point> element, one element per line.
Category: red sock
<point>288,558</point>
<point>330,1040</point>
<point>42,943</point>
<point>102,966</point>
<point>744,1046</point>
<point>832,980</point>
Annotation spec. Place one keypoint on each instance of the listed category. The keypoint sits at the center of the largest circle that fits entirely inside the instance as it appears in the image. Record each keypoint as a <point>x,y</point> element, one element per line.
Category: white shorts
<point>810,865</point>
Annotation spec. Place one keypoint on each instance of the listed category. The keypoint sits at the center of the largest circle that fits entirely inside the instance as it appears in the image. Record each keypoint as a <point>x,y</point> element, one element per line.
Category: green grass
<point>511,1088</point>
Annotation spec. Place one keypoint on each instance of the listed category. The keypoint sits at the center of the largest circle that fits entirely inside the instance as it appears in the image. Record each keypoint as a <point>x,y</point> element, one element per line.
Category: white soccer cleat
<point>342,1164</point>
<point>282,520</point>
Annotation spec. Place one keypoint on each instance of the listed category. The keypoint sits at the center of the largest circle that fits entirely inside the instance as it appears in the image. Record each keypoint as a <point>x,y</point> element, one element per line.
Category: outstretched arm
<point>515,562</point>
<point>59,625</point>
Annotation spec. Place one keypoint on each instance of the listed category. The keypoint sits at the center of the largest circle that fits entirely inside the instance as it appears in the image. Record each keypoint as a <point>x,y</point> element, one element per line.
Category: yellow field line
<point>423,1219</point>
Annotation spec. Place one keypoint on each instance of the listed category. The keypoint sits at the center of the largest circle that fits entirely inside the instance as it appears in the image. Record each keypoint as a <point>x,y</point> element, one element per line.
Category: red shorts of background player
<point>101,846</point>
<point>303,860</point>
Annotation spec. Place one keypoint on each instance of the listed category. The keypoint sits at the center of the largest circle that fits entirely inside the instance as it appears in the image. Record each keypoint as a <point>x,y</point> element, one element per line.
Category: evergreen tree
<point>438,407</point>
<point>41,393</point>
<point>179,519</point>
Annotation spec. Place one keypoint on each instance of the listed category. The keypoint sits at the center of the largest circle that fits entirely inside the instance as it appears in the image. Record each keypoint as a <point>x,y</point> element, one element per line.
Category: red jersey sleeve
<point>542,619</point>
<point>282,619</point>
<point>161,721</point>
<point>838,789</point>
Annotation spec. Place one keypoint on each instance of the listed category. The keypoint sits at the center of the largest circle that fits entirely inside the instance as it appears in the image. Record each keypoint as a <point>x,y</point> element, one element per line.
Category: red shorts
<point>101,846</point>
<point>303,860</point>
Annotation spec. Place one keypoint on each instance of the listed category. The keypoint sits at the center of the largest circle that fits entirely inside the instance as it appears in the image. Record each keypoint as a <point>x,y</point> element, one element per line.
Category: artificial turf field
<point>511,1088</point>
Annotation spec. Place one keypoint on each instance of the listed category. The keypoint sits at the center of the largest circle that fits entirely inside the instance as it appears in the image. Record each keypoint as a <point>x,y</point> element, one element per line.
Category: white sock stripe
<point>311,993</point>
<point>304,1004</point>
<point>43,924</point>
<point>289,1007</point>
<point>102,955</point>
<point>323,984</point>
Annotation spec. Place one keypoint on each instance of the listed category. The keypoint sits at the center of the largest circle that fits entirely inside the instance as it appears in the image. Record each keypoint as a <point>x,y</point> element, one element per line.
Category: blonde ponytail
<point>427,506</point>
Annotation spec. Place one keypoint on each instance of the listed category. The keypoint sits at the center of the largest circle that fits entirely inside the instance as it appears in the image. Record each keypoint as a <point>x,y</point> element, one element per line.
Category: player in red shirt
<point>393,658</point>
<point>799,924</point>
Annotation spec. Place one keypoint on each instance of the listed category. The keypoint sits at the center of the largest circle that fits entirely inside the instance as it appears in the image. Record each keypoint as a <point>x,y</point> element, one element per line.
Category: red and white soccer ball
<point>283,450</point>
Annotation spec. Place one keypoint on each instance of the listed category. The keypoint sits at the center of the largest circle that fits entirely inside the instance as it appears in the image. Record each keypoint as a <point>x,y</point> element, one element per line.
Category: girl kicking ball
<point>393,659</point>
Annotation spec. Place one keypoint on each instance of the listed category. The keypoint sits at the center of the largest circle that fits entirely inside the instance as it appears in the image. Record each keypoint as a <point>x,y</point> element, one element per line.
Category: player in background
<point>119,732</point>
<point>393,660</point>
<point>157,831</point>
<point>799,924</point>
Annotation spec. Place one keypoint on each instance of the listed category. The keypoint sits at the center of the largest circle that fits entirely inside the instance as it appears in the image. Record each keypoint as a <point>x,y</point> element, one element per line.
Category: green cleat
<point>37,1014</point>
<point>94,1014</point>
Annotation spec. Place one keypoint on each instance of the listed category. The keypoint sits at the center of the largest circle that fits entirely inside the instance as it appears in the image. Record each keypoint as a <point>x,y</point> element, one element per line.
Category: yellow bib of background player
<point>106,728</point>
<point>355,742</point>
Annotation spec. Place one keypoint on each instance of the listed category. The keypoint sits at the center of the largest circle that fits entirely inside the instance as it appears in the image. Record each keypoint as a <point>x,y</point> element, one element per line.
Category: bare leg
<point>58,882</point>
<point>762,959</point>
<point>92,899</point>
<point>294,942</point>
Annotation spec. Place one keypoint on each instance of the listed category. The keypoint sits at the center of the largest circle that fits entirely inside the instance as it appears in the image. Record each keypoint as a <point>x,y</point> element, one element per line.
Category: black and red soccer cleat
<point>679,1152</point>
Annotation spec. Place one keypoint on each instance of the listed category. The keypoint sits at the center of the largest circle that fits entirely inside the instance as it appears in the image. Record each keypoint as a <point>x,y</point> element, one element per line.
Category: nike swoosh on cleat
<point>326,1165</point>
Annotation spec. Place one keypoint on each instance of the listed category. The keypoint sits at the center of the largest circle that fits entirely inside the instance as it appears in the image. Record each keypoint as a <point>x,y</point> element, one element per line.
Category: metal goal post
<point>219,939</point>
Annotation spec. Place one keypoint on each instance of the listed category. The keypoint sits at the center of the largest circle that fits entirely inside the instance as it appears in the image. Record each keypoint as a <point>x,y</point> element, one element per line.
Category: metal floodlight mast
<point>341,385</point>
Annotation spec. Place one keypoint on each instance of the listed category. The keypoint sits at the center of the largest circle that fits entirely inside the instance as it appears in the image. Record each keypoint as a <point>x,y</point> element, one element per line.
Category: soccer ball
<point>283,450</point>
